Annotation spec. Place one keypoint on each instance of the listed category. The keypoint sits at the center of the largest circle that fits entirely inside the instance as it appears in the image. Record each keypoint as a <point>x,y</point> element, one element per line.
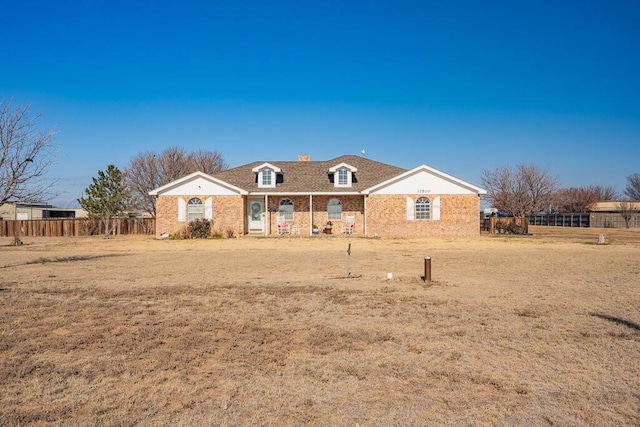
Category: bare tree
<point>627,211</point>
<point>575,200</point>
<point>520,191</point>
<point>173,163</point>
<point>209,162</point>
<point>141,173</point>
<point>25,154</point>
<point>633,187</point>
<point>604,193</point>
<point>149,170</point>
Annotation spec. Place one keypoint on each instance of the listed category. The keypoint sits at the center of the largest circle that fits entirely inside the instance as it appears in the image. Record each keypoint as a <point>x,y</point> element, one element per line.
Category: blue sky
<point>461,86</point>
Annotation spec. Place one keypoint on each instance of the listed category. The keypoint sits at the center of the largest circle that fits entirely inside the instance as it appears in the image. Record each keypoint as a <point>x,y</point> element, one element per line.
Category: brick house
<point>385,200</point>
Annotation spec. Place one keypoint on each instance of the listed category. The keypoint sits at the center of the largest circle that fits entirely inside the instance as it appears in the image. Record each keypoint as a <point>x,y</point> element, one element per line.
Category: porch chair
<point>349,225</point>
<point>283,226</point>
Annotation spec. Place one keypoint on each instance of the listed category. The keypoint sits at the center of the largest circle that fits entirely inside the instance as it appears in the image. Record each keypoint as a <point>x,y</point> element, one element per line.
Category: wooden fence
<point>614,220</point>
<point>505,225</point>
<point>75,227</point>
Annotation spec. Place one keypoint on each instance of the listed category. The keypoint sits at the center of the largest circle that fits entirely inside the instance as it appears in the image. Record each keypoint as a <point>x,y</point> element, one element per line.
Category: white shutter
<point>208,209</point>
<point>435,214</point>
<point>410,209</point>
<point>182,210</point>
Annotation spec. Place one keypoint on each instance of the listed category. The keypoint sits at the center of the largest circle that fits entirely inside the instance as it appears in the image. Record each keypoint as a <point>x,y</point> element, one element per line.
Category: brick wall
<point>459,216</point>
<point>351,206</point>
<point>167,215</point>
<point>228,213</point>
<point>386,215</point>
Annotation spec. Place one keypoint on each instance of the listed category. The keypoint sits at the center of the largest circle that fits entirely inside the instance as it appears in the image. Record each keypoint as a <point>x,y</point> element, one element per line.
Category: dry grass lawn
<point>537,330</point>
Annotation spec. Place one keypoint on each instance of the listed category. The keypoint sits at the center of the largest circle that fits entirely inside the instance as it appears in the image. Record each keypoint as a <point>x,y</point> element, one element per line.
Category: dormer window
<point>266,178</point>
<point>343,175</point>
<point>267,175</point>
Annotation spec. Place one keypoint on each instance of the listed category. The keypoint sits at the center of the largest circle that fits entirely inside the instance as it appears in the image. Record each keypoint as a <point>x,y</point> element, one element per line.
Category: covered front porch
<point>299,214</point>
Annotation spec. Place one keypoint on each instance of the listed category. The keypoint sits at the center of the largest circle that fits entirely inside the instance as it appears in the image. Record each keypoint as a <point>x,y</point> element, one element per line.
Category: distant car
<point>493,212</point>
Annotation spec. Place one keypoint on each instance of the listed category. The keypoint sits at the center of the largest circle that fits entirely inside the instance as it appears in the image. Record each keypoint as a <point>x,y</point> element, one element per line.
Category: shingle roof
<point>312,176</point>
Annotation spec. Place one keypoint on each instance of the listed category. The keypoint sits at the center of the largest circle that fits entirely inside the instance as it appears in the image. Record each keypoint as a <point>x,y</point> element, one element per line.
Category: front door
<point>256,215</point>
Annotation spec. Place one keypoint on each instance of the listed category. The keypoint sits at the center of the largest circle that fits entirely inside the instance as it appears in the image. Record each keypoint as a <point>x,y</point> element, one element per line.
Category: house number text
<point>423,191</point>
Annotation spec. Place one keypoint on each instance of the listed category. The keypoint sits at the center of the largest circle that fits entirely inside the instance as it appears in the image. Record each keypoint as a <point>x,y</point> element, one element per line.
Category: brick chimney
<point>304,158</point>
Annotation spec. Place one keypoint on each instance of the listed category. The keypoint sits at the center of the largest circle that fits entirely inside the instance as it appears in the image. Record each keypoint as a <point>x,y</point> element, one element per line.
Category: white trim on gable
<point>343,166</point>
<point>197,184</point>
<point>266,165</point>
<point>424,180</point>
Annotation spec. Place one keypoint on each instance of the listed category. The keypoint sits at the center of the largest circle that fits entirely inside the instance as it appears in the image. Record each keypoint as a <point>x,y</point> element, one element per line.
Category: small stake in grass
<point>349,260</point>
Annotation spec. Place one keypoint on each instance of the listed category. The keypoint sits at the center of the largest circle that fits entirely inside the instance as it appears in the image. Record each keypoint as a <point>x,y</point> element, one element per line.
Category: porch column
<point>267,216</point>
<point>310,215</point>
<point>365,214</point>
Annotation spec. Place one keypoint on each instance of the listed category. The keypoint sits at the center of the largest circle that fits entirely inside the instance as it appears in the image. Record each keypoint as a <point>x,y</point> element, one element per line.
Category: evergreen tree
<point>105,198</point>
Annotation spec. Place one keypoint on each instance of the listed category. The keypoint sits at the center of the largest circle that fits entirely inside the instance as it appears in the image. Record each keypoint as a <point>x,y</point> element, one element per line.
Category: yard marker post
<point>349,260</point>
<point>427,269</point>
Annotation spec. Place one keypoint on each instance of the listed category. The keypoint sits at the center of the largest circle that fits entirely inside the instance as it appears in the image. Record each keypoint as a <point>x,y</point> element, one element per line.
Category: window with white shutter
<point>435,210</point>
<point>182,210</point>
<point>410,209</point>
<point>208,209</point>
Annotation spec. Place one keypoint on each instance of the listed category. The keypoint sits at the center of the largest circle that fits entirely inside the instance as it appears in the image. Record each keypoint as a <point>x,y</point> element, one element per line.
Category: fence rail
<point>561,220</point>
<point>75,227</point>
<point>593,219</point>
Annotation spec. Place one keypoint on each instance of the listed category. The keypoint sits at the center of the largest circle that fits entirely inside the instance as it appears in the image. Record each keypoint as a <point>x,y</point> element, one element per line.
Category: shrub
<point>199,229</point>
